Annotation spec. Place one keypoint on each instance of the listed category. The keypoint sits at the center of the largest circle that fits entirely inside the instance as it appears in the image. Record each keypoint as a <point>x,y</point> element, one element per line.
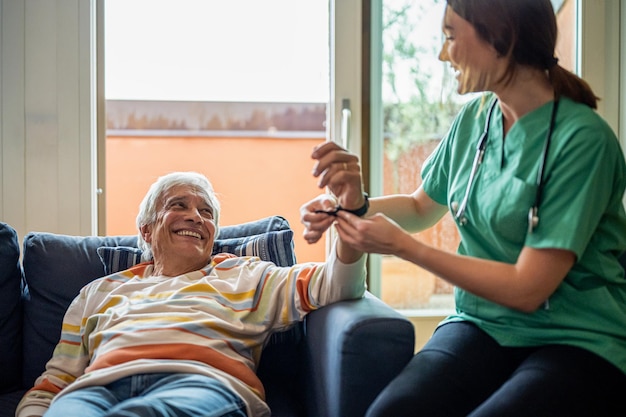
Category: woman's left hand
<point>374,234</point>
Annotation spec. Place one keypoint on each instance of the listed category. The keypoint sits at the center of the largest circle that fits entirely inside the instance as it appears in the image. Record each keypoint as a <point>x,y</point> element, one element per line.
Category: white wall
<point>47,108</point>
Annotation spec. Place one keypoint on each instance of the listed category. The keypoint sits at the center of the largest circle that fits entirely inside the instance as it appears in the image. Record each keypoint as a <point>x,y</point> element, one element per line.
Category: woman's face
<point>476,63</point>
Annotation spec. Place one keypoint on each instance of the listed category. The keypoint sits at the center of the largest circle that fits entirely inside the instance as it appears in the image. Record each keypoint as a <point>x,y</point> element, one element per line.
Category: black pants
<point>462,371</point>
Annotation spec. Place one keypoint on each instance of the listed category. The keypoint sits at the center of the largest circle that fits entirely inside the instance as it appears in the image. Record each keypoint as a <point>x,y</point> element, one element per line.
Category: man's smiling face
<point>183,233</point>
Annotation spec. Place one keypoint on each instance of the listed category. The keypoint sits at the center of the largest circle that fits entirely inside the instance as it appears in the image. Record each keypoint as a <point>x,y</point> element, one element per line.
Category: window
<point>237,90</point>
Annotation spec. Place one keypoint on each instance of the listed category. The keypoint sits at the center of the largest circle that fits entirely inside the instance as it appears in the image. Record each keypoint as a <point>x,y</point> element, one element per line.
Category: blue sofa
<point>331,365</point>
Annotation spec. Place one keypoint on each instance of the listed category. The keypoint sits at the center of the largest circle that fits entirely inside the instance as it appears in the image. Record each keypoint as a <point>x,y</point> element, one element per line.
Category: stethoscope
<point>533,216</point>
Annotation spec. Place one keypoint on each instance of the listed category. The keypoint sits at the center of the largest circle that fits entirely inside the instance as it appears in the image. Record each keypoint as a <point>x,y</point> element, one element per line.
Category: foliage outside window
<point>419,103</point>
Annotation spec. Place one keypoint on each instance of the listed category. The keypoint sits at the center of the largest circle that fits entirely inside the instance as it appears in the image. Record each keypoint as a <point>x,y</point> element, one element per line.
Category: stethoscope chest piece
<point>458,215</point>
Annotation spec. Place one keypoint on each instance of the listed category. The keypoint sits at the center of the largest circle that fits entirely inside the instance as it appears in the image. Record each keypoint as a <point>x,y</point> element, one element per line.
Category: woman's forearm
<point>413,212</point>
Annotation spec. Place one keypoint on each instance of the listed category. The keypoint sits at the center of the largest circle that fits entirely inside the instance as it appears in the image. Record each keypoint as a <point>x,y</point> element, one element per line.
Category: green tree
<point>416,109</point>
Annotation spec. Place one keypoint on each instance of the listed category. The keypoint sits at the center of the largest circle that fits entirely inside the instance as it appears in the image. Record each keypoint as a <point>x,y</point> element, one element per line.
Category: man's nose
<point>194,214</point>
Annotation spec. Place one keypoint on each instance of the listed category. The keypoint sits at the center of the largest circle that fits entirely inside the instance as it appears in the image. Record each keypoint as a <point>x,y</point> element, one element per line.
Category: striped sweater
<point>213,321</point>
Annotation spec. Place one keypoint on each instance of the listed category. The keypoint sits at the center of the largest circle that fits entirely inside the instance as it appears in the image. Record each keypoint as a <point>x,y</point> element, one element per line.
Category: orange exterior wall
<point>254,178</point>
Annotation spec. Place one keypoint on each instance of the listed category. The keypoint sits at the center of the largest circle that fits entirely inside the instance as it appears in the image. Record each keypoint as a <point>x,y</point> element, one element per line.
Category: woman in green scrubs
<point>540,321</point>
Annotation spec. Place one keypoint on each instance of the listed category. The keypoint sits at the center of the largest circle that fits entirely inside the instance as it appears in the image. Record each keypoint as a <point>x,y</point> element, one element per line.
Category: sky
<point>217,50</point>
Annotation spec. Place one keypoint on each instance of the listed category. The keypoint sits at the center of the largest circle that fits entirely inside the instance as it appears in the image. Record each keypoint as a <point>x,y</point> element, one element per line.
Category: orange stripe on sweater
<point>218,258</point>
<point>46,385</point>
<point>181,351</point>
<point>302,286</point>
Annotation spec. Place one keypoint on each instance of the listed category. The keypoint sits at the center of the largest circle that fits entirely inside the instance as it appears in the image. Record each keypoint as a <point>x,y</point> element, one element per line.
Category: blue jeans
<point>152,395</point>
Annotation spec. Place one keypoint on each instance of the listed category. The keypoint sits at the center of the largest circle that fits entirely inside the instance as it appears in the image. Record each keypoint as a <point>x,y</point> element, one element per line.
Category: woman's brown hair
<point>526,32</point>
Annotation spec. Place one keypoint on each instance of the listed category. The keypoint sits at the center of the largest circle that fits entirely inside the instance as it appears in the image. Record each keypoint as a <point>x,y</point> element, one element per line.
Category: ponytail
<point>570,85</point>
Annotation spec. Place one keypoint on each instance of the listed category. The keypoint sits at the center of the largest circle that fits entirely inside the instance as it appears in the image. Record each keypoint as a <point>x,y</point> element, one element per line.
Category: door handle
<point>346,115</point>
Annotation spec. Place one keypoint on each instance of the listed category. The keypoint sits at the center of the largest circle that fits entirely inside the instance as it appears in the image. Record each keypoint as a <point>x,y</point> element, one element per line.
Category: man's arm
<point>345,273</point>
<point>346,253</point>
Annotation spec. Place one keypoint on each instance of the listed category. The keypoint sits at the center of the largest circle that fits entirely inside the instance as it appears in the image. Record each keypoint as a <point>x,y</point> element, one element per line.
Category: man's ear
<point>146,233</point>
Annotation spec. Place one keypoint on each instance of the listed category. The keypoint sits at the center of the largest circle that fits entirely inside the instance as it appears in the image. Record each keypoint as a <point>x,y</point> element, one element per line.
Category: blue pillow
<point>254,227</point>
<point>274,246</point>
<point>118,258</point>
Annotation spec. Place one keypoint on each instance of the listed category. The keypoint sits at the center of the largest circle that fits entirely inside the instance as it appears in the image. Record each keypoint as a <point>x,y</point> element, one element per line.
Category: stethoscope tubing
<point>533,218</point>
<point>478,159</point>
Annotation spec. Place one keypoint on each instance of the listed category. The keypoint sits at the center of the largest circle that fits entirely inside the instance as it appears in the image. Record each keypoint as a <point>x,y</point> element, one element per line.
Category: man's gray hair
<point>148,207</point>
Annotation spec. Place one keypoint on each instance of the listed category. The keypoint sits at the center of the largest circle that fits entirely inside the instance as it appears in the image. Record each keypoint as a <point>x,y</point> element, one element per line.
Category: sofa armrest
<point>353,350</point>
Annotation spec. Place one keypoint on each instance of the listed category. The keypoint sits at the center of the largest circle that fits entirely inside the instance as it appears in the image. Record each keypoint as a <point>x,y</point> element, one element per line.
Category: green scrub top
<point>581,210</point>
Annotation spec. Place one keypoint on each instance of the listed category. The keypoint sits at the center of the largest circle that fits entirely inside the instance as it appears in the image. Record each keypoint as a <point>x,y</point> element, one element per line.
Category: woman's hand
<point>340,171</point>
<point>375,234</point>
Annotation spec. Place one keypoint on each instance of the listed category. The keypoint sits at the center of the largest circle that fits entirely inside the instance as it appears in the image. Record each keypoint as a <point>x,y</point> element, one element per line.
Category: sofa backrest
<point>57,266</point>
<point>10,309</point>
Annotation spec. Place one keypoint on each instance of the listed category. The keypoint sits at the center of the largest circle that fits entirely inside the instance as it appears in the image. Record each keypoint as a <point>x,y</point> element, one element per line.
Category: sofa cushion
<point>255,227</point>
<point>10,309</point>
<point>57,266</point>
<point>118,258</point>
<point>9,402</point>
<point>238,239</point>
<point>275,246</point>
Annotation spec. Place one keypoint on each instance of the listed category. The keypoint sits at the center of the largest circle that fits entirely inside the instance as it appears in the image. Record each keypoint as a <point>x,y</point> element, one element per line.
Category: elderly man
<point>181,334</point>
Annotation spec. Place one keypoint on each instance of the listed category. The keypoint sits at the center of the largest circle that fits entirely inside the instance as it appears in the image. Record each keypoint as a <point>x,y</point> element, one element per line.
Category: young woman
<point>534,179</point>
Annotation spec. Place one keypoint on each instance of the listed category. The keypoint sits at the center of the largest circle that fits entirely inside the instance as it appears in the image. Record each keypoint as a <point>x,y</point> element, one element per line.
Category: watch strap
<point>361,210</point>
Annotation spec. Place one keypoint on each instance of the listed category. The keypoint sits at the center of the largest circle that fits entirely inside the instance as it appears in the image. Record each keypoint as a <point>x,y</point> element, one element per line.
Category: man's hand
<point>315,218</point>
